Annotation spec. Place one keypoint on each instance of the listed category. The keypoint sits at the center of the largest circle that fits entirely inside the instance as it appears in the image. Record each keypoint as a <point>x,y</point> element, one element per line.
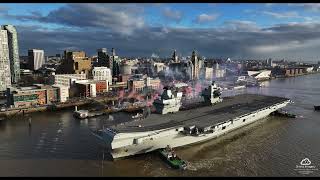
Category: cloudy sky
<point>290,31</point>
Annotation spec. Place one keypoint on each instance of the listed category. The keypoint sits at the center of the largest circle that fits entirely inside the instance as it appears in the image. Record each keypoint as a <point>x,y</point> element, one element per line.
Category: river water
<point>58,145</point>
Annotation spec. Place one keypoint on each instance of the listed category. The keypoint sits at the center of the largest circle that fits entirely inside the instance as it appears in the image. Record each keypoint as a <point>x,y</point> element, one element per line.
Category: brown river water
<point>58,145</point>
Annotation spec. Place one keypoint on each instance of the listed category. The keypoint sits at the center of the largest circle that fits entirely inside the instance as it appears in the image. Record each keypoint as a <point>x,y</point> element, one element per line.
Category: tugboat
<point>81,114</point>
<point>137,116</point>
<point>284,114</point>
<point>172,159</point>
<point>317,108</point>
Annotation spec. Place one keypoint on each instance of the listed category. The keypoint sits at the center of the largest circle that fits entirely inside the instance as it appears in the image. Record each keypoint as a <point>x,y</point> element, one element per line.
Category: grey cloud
<point>289,14</point>
<point>237,25</point>
<point>172,14</point>
<point>280,41</point>
<point>123,27</point>
<point>315,7</point>
<point>122,18</point>
<point>3,9</point>
<point>205,18</point>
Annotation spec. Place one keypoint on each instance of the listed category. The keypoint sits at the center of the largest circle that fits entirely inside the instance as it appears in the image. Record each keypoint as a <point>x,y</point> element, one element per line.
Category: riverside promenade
<point>55,106</point>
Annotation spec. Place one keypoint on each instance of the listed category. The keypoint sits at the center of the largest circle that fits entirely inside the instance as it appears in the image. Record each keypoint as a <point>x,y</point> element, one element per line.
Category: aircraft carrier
<point>173,127</point>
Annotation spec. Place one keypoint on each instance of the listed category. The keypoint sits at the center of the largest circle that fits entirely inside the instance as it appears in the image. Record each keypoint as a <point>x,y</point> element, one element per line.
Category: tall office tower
<point>269,62</point>
<point>13,52</point>
<point>35,59</point>
<point>114,61</point>
<point>113,51</point>
<point>103,58</point>
<point>196,68</point>
<point>5,76</point>
<point>175,56</point>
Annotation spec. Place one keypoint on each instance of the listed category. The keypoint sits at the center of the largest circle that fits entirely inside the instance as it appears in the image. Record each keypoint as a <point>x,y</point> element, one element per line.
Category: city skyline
<point>289,31</point>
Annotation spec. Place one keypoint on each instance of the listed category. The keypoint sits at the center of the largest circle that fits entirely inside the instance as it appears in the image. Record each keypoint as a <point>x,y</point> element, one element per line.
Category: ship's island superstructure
<point>175,128</point>
<point>168,103</point>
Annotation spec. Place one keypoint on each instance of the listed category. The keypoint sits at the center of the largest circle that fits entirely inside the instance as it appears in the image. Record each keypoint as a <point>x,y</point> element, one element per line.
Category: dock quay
<point>52,107</point>
<point>71,104</point>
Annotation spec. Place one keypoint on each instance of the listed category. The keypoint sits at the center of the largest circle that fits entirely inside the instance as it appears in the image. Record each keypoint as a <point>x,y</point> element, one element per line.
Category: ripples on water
<point>59,145</point>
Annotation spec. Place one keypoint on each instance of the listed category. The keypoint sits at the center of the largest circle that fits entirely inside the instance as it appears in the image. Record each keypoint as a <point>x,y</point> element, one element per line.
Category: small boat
<point>116,109</point>
<point>81,114</point>
<point>239,87</point>
<point>317,108</point>
<point>172,159</point>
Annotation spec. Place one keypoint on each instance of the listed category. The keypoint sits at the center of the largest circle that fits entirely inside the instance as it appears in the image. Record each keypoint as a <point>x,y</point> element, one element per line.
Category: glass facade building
<point>13,52</point>
<point>5,78</point>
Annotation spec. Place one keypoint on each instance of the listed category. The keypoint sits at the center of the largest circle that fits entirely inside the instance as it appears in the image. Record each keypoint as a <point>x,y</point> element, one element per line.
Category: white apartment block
<point>5,76</point>
<point>102,73</point>
<point>68,79</point>
<point>36,58</point>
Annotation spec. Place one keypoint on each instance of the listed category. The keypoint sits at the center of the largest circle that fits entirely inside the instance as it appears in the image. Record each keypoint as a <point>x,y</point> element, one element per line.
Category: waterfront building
<point>85,88</point>
<point>136,85</point>
<point>102,73</point>
<point>180,71</point>
<point>31,96</point>
<point>142,84</point>
<point>63,92</point>
<point>76,62</point>
<point>159,67</point>
<point>51,93</point>
<point>152,83</point>
<point>68,79</point>
<point>295,71</point>
<point>208,73</point>
<point>218,72</point>
<point>196,65</point>
<point>5,76</point>
<point>35,59</point>
<point>13,52</point>
<point>175,57</point>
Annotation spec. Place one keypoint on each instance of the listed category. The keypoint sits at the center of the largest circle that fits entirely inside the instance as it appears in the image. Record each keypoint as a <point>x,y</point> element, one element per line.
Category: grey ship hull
<point>158,131</point>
